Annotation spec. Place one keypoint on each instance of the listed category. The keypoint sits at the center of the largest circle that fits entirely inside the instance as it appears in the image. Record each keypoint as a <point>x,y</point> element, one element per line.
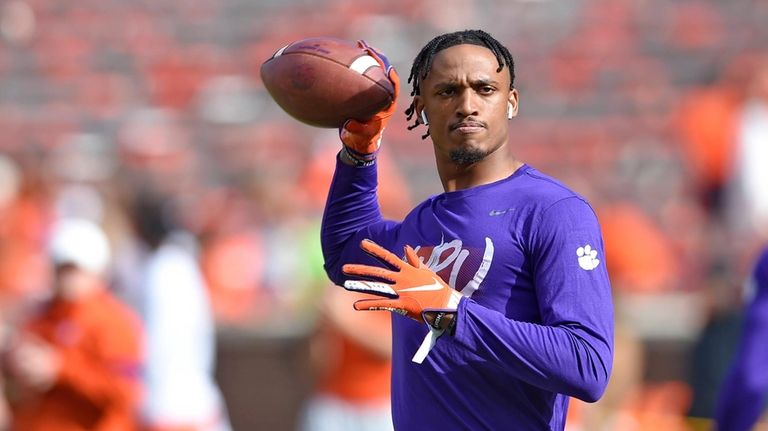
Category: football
<point>325,81</point>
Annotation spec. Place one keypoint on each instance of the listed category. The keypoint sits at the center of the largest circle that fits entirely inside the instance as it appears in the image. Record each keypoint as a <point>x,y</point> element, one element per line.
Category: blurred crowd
<point>149,119</point>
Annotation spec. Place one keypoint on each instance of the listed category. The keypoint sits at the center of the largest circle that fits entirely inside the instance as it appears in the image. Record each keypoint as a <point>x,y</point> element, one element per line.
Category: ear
<point>512,103</point>
<point>418,107</point>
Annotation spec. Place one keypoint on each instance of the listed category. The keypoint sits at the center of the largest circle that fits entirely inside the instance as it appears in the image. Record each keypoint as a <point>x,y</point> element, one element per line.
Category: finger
<point>381,253</point>
<point>375,53</point>
<point>368,271</point>
<point>392,305</point>
<point>372,287</point>
<point>412,257</point>
<point>382,59</point>
<point>362,44</point>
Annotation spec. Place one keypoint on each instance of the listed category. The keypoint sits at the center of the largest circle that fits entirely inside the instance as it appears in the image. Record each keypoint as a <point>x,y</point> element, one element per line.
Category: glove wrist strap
<point>438,319</point>
<point>357,159</point>
<point>437,322</point>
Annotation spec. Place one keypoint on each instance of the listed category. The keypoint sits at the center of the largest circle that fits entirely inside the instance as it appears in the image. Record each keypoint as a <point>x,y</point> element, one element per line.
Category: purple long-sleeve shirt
<point>743,393</point>
<point>535,325</point>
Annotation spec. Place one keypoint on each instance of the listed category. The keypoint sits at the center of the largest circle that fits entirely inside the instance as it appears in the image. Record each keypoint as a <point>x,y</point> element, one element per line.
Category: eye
<point>448,91</point>
<point>486,89</point>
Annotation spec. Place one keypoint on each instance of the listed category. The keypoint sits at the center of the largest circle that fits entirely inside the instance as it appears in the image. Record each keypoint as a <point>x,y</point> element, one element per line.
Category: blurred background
<point>655,110</point>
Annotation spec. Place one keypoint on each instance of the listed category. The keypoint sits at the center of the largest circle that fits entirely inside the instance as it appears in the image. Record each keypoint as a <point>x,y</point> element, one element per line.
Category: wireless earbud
<point>424,119</point>
<point>510,112</point>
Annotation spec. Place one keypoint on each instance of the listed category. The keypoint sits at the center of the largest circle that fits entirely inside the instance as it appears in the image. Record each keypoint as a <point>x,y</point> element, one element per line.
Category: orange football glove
<point>412,290</point>
<point>362,139</point>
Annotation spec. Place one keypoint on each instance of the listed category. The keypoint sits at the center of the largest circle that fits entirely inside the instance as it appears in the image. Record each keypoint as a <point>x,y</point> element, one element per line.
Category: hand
<point>362,139</point>
<point>413,289</point>
<point>34,363</point>
<point>372,334</point>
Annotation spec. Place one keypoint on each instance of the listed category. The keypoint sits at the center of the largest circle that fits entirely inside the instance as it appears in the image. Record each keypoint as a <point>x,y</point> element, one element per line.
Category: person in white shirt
<point>170,294</point>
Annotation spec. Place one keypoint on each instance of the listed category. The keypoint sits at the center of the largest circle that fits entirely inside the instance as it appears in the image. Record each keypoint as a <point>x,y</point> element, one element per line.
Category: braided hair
<point>422,64</point>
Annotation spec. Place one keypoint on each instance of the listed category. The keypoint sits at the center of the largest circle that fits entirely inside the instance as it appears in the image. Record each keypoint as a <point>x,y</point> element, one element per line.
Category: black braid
<point>422,64</point>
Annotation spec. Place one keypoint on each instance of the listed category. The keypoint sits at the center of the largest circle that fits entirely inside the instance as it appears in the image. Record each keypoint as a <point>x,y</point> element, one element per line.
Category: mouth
<point>467,127</point>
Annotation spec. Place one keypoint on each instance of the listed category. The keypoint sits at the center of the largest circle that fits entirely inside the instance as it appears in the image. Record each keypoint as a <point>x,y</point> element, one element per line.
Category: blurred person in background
<point>171,296</point>
<point>26,214</point>
<point>748,209</point>
<point>744,390</point>
<point>75,363</point>
<point>533,324</point>
<point>705,124</point>
<point>10,179</point>
<point>350,355</point>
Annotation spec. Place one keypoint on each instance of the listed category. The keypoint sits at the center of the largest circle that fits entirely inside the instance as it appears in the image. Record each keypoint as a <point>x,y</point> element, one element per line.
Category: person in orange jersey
<point>351,356</point>
<point>74,365</point>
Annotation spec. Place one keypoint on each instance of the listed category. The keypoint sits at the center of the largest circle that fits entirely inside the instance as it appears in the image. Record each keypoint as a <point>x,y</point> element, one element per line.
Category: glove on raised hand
<point>362,139</point>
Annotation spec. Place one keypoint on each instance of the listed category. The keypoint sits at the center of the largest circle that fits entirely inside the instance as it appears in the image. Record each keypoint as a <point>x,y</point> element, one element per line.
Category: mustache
<point>467,122</point>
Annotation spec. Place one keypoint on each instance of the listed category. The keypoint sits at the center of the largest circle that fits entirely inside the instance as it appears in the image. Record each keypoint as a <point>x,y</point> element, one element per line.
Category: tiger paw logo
<point>587,257</point>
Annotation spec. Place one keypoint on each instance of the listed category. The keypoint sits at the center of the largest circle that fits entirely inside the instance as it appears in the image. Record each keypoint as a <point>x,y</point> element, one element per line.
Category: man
<point>170,294</point>
<point>75,365</point>
<point>742,396</point>
<point>351,356</point>
<point>504,267</point>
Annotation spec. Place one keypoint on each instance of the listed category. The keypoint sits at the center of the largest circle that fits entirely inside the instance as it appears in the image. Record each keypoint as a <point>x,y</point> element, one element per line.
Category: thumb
<point>378,304</point>
<point>412,257</point>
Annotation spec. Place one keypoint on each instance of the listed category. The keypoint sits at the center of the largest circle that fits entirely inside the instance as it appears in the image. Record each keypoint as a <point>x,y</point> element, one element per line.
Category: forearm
<point>372,331</point>
<point>569,359</point>
<point>368,332</point>
<point>745,388</point>
<point>115,382</point>
<point>741,403</point>
<point>352,205</point>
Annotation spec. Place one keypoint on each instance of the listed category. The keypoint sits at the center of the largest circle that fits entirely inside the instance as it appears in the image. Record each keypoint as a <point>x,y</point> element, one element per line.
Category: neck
<point>494,167</point>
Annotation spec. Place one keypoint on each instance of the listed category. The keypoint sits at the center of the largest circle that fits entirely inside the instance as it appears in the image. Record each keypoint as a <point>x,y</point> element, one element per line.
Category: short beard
<point>466,157</point>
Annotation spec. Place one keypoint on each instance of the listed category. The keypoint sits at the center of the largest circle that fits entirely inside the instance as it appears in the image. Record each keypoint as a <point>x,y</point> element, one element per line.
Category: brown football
<point>325,81</point>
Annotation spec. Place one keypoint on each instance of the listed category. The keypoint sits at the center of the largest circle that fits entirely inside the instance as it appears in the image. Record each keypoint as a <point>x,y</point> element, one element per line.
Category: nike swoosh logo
<point>434,286</point>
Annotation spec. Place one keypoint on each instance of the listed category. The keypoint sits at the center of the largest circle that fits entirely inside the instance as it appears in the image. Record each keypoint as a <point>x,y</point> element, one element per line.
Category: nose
<point>466,105</point>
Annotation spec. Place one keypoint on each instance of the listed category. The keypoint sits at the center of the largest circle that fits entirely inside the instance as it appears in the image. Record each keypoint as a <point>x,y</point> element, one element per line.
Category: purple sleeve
<point>352,214</point>
<point>571,350</point>
<point>743,393</point>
